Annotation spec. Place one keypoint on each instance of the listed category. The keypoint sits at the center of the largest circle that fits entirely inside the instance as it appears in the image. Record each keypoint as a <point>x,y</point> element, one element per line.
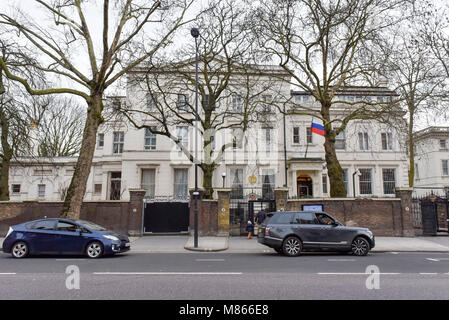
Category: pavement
<point>181,243</point>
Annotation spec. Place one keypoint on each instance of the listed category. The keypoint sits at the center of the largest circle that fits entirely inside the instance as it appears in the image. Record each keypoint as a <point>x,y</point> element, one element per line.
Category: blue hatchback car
<point>63,236</point>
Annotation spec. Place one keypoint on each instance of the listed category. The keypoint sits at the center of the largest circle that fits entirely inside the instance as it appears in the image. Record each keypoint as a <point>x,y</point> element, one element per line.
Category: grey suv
<point>290,233</point>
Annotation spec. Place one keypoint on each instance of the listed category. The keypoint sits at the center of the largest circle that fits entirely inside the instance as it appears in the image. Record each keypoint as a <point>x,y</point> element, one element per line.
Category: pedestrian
<point>261,216</point>
<point>250,229</point>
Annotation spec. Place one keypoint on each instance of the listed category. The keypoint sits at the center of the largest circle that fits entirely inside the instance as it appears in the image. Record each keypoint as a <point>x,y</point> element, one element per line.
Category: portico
<point>305,177</point>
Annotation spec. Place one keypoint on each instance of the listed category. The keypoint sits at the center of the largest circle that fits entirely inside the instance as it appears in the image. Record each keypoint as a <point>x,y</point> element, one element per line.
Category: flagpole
<point>307,145</point>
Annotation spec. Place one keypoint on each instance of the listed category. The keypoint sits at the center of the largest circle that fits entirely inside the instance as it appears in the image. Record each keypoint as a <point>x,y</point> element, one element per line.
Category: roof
<point>432,132</point>
<point>355,90</point>
<point>174,67</point>
<point>306,159</point>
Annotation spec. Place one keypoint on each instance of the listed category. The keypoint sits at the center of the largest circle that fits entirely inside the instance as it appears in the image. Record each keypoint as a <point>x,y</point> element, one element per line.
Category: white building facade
<point>276,152</point>
<point>431,161</point>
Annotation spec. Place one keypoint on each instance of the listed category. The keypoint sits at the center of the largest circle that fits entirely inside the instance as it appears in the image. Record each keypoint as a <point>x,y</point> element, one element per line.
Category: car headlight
<point>111,237</point>
<point>9,232</point>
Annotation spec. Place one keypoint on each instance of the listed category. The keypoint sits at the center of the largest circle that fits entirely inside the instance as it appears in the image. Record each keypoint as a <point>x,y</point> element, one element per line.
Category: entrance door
<point>305,186</point>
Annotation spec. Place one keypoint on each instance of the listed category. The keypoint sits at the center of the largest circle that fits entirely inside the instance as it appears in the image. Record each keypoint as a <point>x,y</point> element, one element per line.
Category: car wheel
<point>360,247</point>
<point>292,246</point>
<point>94,250</point>
<point>19,250</point>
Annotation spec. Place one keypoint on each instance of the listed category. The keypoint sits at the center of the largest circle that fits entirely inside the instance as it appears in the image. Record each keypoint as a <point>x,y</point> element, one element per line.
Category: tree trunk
<point>77,189</point>
<point>334,170</point>
<point>5,159</point>
<point>4,180</point>
<point>411,145</point>
<point>208,171</point>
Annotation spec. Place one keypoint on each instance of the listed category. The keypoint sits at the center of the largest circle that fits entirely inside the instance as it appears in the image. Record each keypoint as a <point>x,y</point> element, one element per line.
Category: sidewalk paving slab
<point>416,244</point>
<point>165,243</point>
<point>208,244</point>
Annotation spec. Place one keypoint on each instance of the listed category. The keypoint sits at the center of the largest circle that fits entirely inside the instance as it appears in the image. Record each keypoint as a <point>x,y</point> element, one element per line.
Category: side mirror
<point>335,224</point>
<point>79,231</point>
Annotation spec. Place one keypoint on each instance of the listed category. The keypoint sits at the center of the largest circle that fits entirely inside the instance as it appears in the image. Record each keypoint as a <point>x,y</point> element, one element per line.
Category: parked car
<point>63,236</point>
<point>290,233</point>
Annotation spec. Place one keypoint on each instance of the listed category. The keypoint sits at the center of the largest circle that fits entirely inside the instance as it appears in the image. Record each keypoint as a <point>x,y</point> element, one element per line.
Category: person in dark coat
<point>250,229</point>
<point>261,216</point>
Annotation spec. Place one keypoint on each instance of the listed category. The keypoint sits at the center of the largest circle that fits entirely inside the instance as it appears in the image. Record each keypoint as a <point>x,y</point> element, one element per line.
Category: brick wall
<point>207,216</point>
<point>384,217</point>
<point>442,207</point>
<point>121,216</point>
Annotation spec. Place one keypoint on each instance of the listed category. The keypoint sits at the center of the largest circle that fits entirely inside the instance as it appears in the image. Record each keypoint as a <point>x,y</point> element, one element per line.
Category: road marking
<point>394,252</point>
<point>428,273</point>
<point>168,273</point>
<point>7,273</point>
<point>70,259</point>
<point>340,259</point>
<point>437,259</point>
<point>355,273</point>
<point>204,260</point>
<point>381,273</point>
<point>431,259</point>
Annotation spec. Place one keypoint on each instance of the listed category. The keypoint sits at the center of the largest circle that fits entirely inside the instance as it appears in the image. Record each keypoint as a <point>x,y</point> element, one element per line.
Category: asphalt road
<point>236,276</point>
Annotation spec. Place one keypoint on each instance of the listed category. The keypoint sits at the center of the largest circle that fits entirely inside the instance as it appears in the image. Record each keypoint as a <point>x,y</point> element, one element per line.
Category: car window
<point>44,225</point>
<point>325,219</point>
<point>281,218</point>
<point>30,225</point>
<point>305,218</point>
<point>91,225</point>
<point>66,226</point>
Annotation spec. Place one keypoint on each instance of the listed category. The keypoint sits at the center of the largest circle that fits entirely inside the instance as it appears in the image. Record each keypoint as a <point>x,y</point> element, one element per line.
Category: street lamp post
<point>223,175</point>
<point>195,33</point>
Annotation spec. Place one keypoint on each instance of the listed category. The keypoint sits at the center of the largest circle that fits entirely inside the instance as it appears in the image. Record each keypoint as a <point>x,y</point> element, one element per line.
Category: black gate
<point>166,217</point>
<point>429,218</point>
<point>431,212</point>
<point>244,206</point>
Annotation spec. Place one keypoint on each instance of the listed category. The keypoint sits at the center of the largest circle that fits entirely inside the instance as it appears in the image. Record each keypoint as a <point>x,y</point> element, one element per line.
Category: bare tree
<point>433,29</point>
<point>18,111</point>
<point>318,42</point>
<point>61,129</point>
<point>68,43</point>
<point>416,73</point>
<point>231,88</point>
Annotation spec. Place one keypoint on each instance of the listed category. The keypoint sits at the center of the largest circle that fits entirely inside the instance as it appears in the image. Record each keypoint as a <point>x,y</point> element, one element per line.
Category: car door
<point>307,228</point>
<point>69,239</point>
<point>42,238</point>
<point>333,235</point>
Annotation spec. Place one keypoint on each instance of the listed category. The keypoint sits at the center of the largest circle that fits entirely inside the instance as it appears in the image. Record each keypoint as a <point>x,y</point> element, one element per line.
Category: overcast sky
<point>94,17</point>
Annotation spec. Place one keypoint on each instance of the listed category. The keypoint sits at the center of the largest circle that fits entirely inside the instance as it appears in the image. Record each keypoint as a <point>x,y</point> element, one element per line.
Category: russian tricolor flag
<point>318,129</point>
